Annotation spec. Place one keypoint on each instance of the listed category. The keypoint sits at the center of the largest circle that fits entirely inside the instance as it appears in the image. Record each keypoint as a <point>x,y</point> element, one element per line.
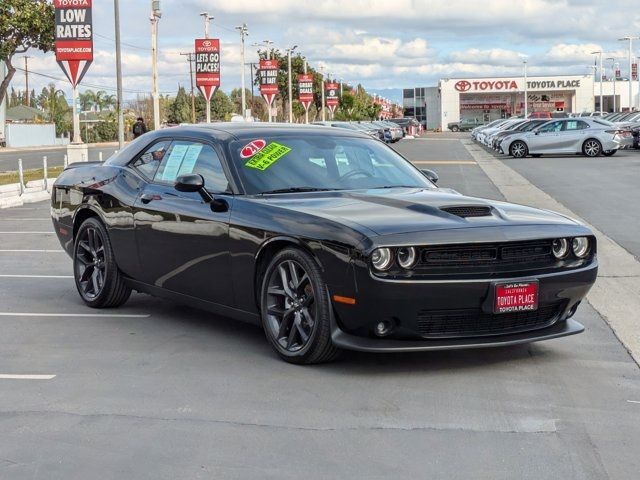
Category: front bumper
<point>404,303</point>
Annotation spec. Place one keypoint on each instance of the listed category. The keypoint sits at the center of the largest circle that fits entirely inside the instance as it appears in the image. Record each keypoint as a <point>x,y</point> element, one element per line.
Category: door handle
<point>148,197</point>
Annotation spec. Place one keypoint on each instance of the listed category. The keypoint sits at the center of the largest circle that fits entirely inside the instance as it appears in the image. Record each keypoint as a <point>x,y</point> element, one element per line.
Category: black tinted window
<point>148,162</point>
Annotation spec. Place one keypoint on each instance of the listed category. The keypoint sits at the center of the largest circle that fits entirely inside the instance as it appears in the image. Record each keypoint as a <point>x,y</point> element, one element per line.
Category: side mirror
<point>193,182</point>
<point>430,174</point>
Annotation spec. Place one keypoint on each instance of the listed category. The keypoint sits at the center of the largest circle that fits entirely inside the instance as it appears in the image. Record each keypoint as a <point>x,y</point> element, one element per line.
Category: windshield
<point>320,162</point>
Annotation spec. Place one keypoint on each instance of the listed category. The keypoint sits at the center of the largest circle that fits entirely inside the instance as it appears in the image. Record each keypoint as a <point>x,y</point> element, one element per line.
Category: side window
<point>148,162</point>
<point>193,157</point>
<point>551,127</point>
<point>576,125</point>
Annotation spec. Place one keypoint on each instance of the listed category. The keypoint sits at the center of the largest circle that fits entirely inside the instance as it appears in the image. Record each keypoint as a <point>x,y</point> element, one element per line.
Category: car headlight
<point>381,258</point>
<point>407,257</point>
<point>580,246</point>
<point>560,247</point>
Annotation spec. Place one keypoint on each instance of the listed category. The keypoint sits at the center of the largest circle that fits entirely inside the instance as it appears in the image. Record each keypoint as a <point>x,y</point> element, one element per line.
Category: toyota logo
<point>463,86</point>
<point>206,43</point>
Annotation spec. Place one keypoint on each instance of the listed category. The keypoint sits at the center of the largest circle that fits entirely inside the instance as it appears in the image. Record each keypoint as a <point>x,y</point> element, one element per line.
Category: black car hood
<point>405,210</point>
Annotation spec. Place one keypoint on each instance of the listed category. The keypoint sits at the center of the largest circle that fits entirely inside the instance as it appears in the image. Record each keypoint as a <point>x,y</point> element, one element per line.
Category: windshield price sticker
<point>251,148</point>
<point>268,156</point>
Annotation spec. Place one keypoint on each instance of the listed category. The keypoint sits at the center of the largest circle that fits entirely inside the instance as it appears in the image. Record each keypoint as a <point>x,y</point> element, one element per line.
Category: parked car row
<point>385,130</point>
<point>590,136</point>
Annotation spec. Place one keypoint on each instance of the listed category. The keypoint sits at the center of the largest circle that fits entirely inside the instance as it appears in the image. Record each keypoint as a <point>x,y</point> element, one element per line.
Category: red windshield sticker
<point>251,148</point>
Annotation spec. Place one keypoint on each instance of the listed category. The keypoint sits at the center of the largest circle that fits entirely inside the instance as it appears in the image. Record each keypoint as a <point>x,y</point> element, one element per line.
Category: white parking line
<point>23,219</point>
<point>444,162</point>
<point>6,376</point>
<point>24,233</point>
<point>36,276</point>
<point>32,251</point>
<point>99,315</point>
<point>633,401</point>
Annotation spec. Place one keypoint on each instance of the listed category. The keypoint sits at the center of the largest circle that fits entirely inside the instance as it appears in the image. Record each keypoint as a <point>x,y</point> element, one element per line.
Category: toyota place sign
<point>506,85</point>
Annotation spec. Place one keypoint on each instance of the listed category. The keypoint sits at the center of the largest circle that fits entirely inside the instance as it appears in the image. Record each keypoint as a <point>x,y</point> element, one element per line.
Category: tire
<point>294,292</point>
<point>591,148</point>
<point>518,149</point>
<point>455,128</point>
<point>98,279</point>
<point>609,153</point>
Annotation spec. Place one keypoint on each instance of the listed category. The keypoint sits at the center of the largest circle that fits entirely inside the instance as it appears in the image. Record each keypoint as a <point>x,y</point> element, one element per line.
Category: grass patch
<point>34,174</point>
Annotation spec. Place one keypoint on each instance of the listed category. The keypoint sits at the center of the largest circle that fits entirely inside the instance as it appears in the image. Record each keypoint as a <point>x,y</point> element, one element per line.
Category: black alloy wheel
<point>518,149</point>
<point>295,309</point>
<point>592,148</point>
<point>98,280</point>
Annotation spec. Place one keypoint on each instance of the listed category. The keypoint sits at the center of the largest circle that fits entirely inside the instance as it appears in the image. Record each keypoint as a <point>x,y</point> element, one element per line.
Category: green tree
<point>87,100</point>
<point>24,24</point>
<point>179,110</point>
<point>221,107</point>
<point>53,101</point>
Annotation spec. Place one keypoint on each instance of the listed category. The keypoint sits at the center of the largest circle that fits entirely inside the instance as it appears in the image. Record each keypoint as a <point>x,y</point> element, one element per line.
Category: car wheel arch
<point>268,249</point>
<point>82,214</point>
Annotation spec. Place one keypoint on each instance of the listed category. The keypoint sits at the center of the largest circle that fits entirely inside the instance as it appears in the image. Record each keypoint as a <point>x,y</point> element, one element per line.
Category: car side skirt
<point>216,308</point>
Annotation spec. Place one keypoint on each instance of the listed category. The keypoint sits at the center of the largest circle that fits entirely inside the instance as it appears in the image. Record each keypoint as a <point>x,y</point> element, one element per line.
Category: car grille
<point>465,211</point>
<point>492,257</point>
<point>475,323</point>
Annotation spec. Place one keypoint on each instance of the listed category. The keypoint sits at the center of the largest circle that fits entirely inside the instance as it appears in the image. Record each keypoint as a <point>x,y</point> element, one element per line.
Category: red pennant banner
<point>305,86</point>
<point>332,100</point>
<point>269,80</point>
<point>74,38</point>
<point>207,66</point>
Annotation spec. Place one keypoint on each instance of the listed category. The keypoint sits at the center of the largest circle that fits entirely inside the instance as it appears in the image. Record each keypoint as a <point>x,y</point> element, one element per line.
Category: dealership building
<point>487,99</point>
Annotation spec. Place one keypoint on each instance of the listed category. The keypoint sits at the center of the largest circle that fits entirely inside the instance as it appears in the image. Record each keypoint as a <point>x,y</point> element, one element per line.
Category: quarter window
<point>576,125</point>
<point>186,157</point>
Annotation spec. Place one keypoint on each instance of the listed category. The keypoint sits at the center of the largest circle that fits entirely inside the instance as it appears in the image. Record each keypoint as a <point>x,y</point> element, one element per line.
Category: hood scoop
<point>465,211</point>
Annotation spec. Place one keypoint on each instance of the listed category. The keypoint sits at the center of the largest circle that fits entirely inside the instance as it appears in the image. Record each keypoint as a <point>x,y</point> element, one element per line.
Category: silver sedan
<point>590,136</point>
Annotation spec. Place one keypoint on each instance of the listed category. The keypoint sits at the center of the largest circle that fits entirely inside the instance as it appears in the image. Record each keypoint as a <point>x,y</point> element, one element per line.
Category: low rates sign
<point>207,66</point>
<point>74,38</point>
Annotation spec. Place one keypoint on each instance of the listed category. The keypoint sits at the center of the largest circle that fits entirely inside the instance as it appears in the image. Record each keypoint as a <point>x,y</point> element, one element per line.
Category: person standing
<point>139,128</point>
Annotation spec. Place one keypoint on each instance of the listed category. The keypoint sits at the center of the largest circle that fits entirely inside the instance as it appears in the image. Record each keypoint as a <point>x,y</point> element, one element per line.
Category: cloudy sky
<point>383,44</point>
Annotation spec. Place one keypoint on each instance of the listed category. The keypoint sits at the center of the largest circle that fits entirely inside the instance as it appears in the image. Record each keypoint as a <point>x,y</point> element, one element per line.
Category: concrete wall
<point>32,135</point>
<point>432,101</point>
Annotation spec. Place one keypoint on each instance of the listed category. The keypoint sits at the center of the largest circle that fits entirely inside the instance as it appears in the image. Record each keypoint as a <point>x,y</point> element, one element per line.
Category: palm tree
<point>87,100</point>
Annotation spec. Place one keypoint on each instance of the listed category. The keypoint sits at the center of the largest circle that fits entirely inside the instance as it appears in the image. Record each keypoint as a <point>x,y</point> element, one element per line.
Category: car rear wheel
<point>518,149</point>
<point>592,148</point>
<point>609,153</point>
<point>296,310</point>
<point>98,280</point>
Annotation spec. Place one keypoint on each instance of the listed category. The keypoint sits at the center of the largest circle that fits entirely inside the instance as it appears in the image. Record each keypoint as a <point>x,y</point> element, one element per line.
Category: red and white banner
<point>634,71</point>
<point>332,90</point>
<point>617,73</point>
<point>305,86</point>
<point>268,80</point>
<point>208,66</point>
<point>74,38</point>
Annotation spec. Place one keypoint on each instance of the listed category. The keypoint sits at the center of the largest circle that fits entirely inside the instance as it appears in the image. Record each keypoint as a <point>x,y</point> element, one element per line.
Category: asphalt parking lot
<point>156,390</point>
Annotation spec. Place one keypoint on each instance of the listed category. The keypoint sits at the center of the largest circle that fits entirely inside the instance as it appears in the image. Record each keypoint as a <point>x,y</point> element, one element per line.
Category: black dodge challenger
<point>328,238</point>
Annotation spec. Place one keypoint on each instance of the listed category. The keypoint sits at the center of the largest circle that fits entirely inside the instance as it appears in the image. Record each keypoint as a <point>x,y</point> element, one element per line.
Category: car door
<point>572,136</point>
<point>183,245</point>
<point>545,138</point>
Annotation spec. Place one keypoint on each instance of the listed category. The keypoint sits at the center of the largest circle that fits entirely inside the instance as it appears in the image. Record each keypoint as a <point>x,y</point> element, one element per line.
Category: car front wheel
<point>518,149</point>
<point>98,280</point>
<point>455,128</point>
<point>592,148</point>
<point>296,310</point>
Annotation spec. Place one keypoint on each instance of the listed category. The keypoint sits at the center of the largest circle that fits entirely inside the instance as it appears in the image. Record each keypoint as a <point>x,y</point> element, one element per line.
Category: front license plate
<point>516,297</point>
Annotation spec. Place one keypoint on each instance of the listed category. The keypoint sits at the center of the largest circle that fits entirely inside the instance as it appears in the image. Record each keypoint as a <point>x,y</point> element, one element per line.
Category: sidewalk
<point>54,147</point>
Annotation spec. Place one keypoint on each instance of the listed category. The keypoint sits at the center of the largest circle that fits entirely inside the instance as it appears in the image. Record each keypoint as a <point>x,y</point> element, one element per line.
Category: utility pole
<point>244,31</point>
<point>26,80</point>
<point>631,39</point>
<point>526,91</point>
<point>614,66</point>
<point>207,20</point>
<point>190,58</point>
<point>156,14</point>
<point>116,10</point>
<point>290,82</point>
<point>324,117</point>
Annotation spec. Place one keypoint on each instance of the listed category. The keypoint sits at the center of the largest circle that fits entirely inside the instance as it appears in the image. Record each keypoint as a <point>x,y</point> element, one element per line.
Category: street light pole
<point>244,31</point>
<point>116,9</point>
<point>613,70</point>
<point>599,53</point>
<point>631,39</point>
<point>290,82</point>
<point>156,14</point>
<point>190,58</point>
<point>324,117</point>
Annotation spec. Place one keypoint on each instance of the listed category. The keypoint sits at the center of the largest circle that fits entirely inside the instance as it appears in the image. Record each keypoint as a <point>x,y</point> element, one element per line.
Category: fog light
<point>580,246</point>
<point>383,328</point>
<point>381,258</point>
<point>560,247</point>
